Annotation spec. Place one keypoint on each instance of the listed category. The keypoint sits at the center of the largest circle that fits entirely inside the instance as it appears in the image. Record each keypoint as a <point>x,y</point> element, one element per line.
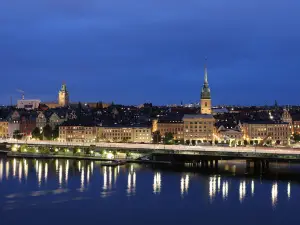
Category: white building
<point>28,104</point>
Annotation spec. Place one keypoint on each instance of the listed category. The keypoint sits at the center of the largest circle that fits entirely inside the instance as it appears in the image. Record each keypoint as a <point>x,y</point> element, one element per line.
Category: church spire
<point>205,93</point>
<point>205,72</point>
<point>205,101</point>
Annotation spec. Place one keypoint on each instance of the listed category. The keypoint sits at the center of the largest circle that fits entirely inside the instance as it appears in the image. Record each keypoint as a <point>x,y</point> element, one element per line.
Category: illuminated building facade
<point>267,132</point>
<point>63,96</point>
<point>168,126</point>
<point>134,134</point>
<point>77,133</point>
<point>3,129</point>
<point>198,128</point>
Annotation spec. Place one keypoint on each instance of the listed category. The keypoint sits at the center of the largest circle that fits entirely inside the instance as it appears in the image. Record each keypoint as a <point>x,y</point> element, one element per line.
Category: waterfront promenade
<point>154,147</point>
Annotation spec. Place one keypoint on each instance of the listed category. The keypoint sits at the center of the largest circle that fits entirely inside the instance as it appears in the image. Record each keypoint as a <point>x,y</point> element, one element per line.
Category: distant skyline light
<point>137,51</point>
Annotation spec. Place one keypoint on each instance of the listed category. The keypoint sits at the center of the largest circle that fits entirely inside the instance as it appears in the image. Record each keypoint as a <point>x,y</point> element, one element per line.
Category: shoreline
<point>91,158</point>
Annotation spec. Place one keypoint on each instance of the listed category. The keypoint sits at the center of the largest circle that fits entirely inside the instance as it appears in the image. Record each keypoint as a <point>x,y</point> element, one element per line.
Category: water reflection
<point>184,184</point>
<point>274,194</point>
<point>252,188</point>
<point>82,179</point>
<point>219,186</point>
<point>212,187</point>
<point>67,171</point>
<point>20,172</point>
<point>46,172</point>
<point>14,167</point>
<point>7,170</point>
<point>40,171</point>
<point>1,170</point>
<point>289,190</point>
<point>131,182</point>
<point>225,190</point>
<point>25,168</point>
<point>242,191</point>
<point>157,183</point>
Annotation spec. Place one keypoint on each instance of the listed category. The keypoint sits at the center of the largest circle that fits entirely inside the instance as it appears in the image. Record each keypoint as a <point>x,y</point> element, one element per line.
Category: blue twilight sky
<point>134,51</point>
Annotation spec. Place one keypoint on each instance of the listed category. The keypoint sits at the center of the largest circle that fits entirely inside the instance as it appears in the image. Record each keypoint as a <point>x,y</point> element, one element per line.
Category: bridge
<point>198,155</point>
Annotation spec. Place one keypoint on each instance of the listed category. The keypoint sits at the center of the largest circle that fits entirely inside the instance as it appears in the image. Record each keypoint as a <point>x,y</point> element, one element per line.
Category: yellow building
<point>134,134</point>
<point>3,129</point>
<point>81,134</point>
<point>267,132</point>
<point>63,96</point>
<point>198,128</point>
<point>114,134</point>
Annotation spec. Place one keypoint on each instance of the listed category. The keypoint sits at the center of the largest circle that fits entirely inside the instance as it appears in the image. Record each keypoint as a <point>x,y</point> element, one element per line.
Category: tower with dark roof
<point>63,96</point>
<point>205,101</point>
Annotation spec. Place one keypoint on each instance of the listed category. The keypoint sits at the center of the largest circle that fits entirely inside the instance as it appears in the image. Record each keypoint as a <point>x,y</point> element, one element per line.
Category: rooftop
<point>197,116</point>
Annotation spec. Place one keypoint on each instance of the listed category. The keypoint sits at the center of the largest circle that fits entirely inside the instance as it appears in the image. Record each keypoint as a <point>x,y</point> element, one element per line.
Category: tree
<point>55,132</point>
<point>245,142</point>
<point>156,137</point>
<point>36,133</point>
<point>169,138</point>
<point>47,132</point>
<point>296,137</point>
<point>17,135</point>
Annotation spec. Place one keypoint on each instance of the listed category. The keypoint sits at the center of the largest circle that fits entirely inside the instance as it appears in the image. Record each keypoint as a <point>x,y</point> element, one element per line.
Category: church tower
<point>205,101</point>
<point>63,96</point>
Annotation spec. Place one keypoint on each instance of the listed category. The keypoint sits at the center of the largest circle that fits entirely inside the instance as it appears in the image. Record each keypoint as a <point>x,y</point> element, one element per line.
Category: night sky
<point>135,51</point>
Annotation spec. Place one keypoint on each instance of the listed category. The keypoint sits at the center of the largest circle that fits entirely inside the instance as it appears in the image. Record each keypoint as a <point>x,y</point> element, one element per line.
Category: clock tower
<point>63,96</point>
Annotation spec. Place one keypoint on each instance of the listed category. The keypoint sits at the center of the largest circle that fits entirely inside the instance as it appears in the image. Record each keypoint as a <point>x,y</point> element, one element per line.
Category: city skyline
<point>151,52</point>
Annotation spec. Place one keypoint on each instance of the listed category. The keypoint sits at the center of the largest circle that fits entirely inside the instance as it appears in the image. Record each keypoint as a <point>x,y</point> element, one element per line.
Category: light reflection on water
<point>83,174</point>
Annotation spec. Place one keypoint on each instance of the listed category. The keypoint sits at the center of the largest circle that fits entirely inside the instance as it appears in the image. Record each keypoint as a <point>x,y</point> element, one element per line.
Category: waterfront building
<point>3,129</point>
<point>267,132</point>
<point>133,134</point>
<point>63,96</point>
<point>173,126</point>
<point>77,133</point>
<point>199,128</point>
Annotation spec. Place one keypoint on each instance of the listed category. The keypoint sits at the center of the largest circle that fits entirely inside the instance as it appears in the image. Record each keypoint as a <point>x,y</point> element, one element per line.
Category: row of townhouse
<point>26,122</point>
<point>89,133</point>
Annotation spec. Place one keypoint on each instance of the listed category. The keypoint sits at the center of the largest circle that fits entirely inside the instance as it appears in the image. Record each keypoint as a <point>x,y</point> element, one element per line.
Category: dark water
<point>82,192</point>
